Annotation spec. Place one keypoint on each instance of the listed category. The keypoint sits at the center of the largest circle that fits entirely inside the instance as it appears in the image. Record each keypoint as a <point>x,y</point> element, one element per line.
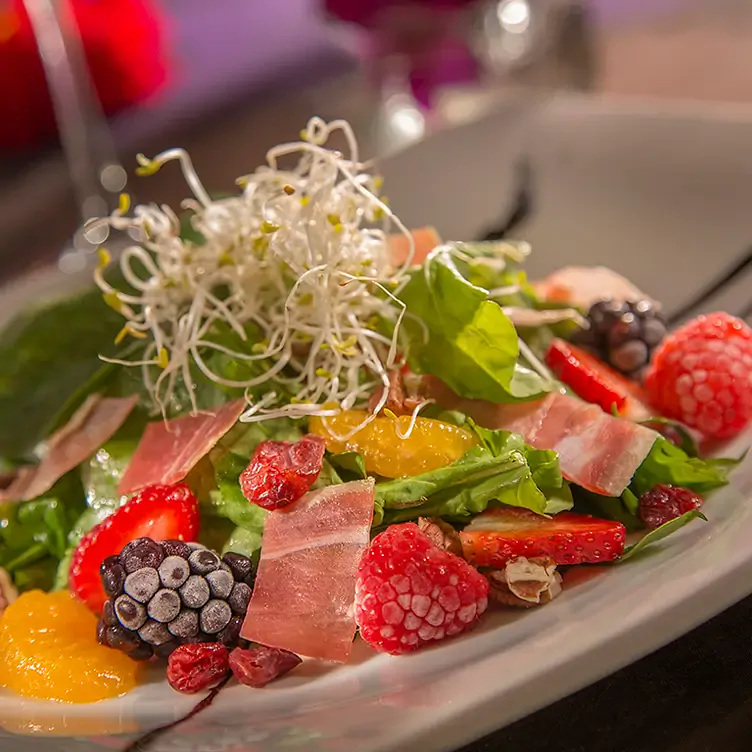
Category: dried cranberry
<point>664,503</point>
<point>280,472</point>
<point>193,668</point>
<point>258,666</point>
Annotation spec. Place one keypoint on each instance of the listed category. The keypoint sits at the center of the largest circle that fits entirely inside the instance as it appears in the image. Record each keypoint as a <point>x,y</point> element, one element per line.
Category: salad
<point>281,420</point>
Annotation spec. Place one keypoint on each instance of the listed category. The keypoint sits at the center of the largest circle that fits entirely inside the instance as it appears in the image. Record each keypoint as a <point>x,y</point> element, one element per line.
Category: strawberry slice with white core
<point>159,512</point>
<point>499,535</point>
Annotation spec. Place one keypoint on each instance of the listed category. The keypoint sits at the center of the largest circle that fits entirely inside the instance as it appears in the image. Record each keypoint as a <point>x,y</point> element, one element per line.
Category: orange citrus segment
<point>431,444</point>
<point>49,651</point>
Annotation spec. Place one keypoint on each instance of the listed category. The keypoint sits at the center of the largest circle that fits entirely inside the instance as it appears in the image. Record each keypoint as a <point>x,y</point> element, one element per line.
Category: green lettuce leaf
<point>660,533</point>
<point>502,470</point>
<point>246,541</point>
<point>457,334</point>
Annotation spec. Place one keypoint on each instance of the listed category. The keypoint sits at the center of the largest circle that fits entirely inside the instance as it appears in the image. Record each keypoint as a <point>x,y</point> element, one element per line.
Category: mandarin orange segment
<point>49,651</point>
<point>431,444</point>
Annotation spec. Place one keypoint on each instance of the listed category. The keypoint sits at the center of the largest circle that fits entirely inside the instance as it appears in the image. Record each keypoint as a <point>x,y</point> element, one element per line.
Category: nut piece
<point>8,592</point>
<point>403,395</point>
<point>441,534</point>
<point>525,583</point>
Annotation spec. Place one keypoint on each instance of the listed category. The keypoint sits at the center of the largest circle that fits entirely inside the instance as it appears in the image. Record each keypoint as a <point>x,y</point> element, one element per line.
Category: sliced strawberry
<point>589,377</point>
<point>499,535</point>
<point>157,512</point>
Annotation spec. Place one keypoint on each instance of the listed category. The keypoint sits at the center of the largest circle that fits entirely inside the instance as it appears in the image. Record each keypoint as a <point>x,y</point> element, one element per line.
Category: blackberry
<point>166,594</point>
<point>624,334</point>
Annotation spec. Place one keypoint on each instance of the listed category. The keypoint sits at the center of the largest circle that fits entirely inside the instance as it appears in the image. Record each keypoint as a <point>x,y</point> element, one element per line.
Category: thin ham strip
<point>303,599</point>
<point>596,451</point>
<point>89,427</point>
<point>169,450</point>
<point>584,285</point>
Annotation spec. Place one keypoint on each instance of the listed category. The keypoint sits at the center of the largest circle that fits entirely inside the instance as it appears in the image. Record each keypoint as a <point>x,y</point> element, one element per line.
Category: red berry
<point>499,535</point>
<point>702,375</point>
<point>411,593</point>
<point>280,472</point>
<point>256,667</point>
<point>664,503</point>
<point>157,512</point>
<point>193,668</point>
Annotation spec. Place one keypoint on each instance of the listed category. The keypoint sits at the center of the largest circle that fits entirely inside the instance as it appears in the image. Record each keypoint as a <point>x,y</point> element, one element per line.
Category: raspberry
<point>256,667</point>
<point>280,472</point>
<point>702,375</point>
<point>193,668</point>
<point>410,593</point>
<point>664,503</point>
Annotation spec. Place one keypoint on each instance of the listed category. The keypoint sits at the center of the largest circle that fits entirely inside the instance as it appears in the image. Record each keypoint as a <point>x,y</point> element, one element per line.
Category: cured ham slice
<point>584,285</point>
<point>596,451</point>
<point>425,239</point>
<point>90,426</point>
<point>170,449</point>
<point>303,599</point>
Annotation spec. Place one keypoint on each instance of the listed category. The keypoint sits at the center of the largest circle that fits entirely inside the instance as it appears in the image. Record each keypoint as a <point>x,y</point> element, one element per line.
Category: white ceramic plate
<point>514,663</point>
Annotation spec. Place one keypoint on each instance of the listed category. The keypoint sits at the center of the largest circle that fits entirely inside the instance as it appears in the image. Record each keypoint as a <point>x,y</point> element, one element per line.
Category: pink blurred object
<point>429,34</point>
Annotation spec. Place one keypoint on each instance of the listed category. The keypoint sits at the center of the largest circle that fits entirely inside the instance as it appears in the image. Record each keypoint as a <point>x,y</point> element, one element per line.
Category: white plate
<point>514,663</point>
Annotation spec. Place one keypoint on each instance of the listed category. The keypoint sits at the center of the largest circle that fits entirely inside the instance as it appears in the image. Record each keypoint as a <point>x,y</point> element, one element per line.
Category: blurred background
<point>87,84</point>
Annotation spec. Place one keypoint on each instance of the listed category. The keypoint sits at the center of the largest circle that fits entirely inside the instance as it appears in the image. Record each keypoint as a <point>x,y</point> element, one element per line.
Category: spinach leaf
<point>687,442</point>
<point>660,533</point>
<point>46,354</point>
<point>667,463</point>
<point>455,332</point>
<point>606,507</point>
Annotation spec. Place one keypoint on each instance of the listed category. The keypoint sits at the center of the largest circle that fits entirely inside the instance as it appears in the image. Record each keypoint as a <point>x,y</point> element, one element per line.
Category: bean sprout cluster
<point>299,256</point>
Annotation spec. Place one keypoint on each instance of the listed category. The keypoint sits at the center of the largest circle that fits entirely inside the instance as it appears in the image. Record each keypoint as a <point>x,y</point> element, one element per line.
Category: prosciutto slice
<point>584,285</point>
<point>90,426</point>
<point>170,449</point>
<point>303,599</point>
<point>596,451</point>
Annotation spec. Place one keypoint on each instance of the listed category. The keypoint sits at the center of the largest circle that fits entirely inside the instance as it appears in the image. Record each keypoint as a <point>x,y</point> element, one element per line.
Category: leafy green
<point>34,534</point>
<point>667,463</point>
<point>543,464</point>
<point>246,541</point>
<point>503,470</point>
<point>46,355</point>
<point>606,507</point>
<point>351,464</point>
<point>688,443</point>
<point>660,533</point>
<point>457,333</point>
